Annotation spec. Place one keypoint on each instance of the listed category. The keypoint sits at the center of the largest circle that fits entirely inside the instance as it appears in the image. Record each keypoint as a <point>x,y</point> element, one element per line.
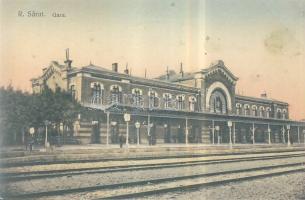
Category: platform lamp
<point>217,131</point>
<point>165,132</point>
<point>288,135</point>
<point>46,123</point>
<point>32,131</point>
<point>137,125</point>
<point>61,128</point>
<point>230,123</point>
<point>304,136</point>
<point>127,119</point>
<point>269,134</point>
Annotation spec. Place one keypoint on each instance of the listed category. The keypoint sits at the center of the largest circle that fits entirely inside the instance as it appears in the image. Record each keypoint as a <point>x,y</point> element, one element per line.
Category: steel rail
<point>9,177</point>
<point>151,157</point>
<point>158,181</point>
<point>200,185</point>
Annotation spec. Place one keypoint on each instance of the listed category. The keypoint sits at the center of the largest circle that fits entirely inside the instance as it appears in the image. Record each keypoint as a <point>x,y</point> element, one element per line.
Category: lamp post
<point>299,135</point>
<point>32,131</point>
<point>186,131</point>
<point>253,133</point>
<point>283,134</point>
<point>217,132</point>
<point>113,124</point>
<point>234,134</point>
<point>127,119</point>
<point>137,124</point>
<point>107,130</point>
<point>148,129</point>
<point>150,136</point>
<point>230,123</point>
<point>165,133</point>
<point>288,135</point>
<point>61,128</point>
<point>269,134</point>
<point>46,123</point>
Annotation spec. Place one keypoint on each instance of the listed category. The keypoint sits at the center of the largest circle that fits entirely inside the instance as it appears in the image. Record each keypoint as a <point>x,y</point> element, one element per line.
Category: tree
<point>20,110</point>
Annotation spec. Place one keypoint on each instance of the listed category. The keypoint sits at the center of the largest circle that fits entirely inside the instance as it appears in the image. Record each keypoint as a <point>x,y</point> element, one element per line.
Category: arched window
<point>153,101</point>
<point>254,110</point>
<point>115,94</point>
<point>247,109</point>
<point>167,98</point>
<point>261,111</point>
<point>268,110</point>
<point>238,109</point>
<point>97,93</point>
<point>284,114</point>
<point>279,113</point>
<point>218,103</point>
<point>180,102</point>
<point>137,97</point>
<point>192,103</point>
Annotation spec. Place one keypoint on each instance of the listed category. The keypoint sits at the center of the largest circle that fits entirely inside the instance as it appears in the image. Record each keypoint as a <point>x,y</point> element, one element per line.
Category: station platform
<point>99,152</point>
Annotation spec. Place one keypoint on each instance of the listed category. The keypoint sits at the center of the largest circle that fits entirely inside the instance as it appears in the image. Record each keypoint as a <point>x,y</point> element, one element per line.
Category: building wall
<point>165,130</point>
<point>127,87</point>
<point>244,103</point>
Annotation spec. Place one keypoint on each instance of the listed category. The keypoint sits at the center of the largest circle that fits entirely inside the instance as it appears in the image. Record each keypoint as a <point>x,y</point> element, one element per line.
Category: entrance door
<point>95,135</point>
<point>115,134</point>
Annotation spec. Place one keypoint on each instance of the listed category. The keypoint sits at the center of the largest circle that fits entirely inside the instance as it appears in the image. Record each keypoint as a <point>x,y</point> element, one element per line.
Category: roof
<point>94,67</point>
<point>265,99</point>
<point>175,77</point>
<point>47,69</point>
<point>107,72</point>
<point>219,64</point>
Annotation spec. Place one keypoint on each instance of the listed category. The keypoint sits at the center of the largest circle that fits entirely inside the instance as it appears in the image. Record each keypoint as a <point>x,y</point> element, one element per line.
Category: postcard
<point>152,99</point>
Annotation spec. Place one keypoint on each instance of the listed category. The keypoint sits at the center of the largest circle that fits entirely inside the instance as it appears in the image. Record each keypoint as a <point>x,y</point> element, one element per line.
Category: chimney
<point>126,71</point>
<point>115,67</point>
<point>68,61</point>
<point>167,73</point>
<point>264,94</point>
<point>181,70</point>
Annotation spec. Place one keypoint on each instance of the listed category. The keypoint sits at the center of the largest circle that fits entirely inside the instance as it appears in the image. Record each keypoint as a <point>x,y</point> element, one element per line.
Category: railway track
<point>5,164</point>
<point>134,189</point>
<point>9,177</point>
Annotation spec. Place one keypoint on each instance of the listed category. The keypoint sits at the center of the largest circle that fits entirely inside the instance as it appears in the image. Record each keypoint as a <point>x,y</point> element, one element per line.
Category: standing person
<point>31,145</point>
<point>121,140</point>
<point>26,141</point>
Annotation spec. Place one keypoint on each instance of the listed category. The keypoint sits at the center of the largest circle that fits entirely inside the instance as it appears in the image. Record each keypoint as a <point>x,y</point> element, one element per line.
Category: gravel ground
<point>282,187</point>
<point>85,180</point>
<point>36,168</point>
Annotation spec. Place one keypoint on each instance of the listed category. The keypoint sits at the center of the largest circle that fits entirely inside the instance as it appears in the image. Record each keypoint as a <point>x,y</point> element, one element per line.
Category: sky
<point>261,41</point>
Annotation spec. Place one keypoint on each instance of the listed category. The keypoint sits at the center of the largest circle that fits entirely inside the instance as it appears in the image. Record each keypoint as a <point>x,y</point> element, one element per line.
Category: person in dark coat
<point>121,140</point>
<point>31,143</point>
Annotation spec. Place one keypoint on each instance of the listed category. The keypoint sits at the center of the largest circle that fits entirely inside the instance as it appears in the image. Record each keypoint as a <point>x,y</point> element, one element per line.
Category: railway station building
<point>176,107</point>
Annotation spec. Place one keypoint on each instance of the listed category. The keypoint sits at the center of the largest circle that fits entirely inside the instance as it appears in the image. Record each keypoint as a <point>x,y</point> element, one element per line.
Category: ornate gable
<point>55,75</point>
<point>54,68</point>
<point>219,68</point>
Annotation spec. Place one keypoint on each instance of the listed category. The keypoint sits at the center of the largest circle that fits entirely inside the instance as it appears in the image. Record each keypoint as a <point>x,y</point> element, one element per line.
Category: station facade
<point>197,107</point>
